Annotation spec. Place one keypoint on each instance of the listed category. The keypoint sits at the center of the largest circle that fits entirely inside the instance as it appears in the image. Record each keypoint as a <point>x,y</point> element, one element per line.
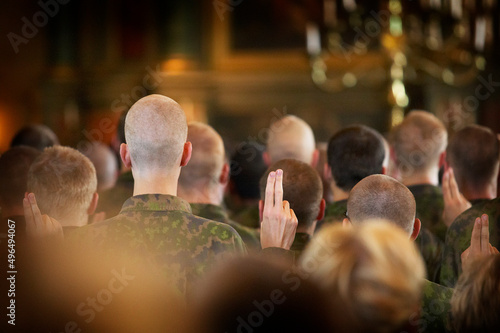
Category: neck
<point>486,192</point>
<point>201,195</point>
<point>338,193</point>
<point>430,177</point>
<point>307,229</point>
<point>75,221</point>
<point>155,184</point>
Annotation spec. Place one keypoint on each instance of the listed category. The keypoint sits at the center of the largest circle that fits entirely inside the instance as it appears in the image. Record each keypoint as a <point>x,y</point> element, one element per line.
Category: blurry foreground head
<point>254,295</point>
<point>291,137</point>
<point>64,182</point>
<point>476,298</point>
<point>373,272</point>
<point>36,136</point>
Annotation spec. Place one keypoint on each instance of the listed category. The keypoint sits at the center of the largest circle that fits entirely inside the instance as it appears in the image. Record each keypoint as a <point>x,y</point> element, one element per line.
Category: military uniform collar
<point>156,202</point>
<point>213,212</point>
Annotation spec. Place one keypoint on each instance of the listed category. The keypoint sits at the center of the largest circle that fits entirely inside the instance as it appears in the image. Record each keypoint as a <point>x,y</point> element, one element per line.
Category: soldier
<point>383,197</point>
<point>303,190</point>
<point>154,224</point>
<point>203,181</point>
<point>418,147</point>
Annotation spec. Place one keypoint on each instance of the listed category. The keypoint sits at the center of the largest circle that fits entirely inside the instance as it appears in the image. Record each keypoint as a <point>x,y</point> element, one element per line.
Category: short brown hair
<point>302,188</point>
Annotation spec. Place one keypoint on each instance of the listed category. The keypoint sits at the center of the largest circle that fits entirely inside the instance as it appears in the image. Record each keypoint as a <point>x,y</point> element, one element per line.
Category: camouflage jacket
<point>430,205</point>
<point>435,312</point>
<point>459,235</point>
<point>431,249</point>
<point>299,244</point>
<point>250,237</point>
<point>161,229</point>
<point>334,212</point>
<point>248,217</point>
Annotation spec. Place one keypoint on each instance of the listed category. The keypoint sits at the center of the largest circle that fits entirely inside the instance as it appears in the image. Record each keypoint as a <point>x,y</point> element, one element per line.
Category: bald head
<point>207,158</point>
<point>382,197</point>
<point>419,141</point>
<point>155,131</point>
<point>291,137</point>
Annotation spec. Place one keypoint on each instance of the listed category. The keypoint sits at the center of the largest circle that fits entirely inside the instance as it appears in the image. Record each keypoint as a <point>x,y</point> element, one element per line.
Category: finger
<point>28,214</point>
<point>278,191</point>
<point>475,241</point>
<point>485,234</point>
<point>294,218</point>
<point>286,209</point>
<point>493,250</point>
<point>269,199</point>
<point>37,215</point>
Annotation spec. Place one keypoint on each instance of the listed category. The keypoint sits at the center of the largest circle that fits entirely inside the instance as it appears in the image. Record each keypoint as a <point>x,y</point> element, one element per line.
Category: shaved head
<point>291,137</point>
<point>155,132</point>
<point>207,158</point>
<point>382,197</point>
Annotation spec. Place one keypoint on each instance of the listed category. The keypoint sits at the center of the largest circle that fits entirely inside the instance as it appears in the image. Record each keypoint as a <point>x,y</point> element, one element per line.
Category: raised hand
<point>479,243</point>
<point>38,225</point>
<point>454,202</point>
<point>279,222</point>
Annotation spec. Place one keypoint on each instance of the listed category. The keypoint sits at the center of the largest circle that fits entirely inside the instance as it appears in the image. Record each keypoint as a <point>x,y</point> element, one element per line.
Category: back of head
<point>291,137</point>
<point>302,188</point>
<point>475,301</point>
<point>63,181</point>
<point>382,197</point>
<point>247,166</point>
<point>473,154</point>
<point>354,153</point>
<point>36,136</point>
<point>155,131</point>
<point>251,295</point>
<point>208,156</point>
<point>105,164</point>
<point>418,142</point>
<point>374,272</point>
<point>14,166</point>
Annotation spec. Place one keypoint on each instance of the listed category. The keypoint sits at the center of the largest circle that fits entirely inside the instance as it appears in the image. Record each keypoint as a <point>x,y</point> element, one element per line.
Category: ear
<point>392,154</point>
<point>125,155</point>
<point>266,158</point>
<point>346,223</point>
<point>261,210</point>
<point>224,175</point>
<point>315,158</point>
<point>416,229</point>
<point>327,172</point>
<point>442,160</point>
<point>93,204</point>
<point>186,153</point>
<point>384,170</point>
<point>321,212</point>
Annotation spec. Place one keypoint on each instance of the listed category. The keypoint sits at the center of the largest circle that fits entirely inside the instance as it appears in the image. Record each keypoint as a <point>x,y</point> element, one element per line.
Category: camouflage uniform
<point>299,244</point>
<point>435,311</point>
<point>251,237</point>
<point>248,217</point>
<point>431,249</point>
<point>334,212</point>
<point>161,228</point>
<point>459,235</point>
<point>430,205</point>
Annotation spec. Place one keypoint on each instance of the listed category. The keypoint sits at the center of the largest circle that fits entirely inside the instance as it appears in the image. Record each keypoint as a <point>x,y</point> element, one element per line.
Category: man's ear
<point>125,155</point>
<point>224,175</point>
<point>327,172</point>
<point>384,170</point>
<point>266,158</point>
<point>346,223</point>
<point>93,203</point>
<point>261,210</point>
<point>442,160</point>
<point>416,229</point>
<point>321,212</point>
<point>186,153</point>
<point>315,158</point>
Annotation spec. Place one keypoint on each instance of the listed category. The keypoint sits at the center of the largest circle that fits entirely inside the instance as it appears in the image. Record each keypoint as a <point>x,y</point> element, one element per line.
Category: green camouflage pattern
<point>435,312</point>
<point>431,248</point>
<point>162,229</point>
<point>248,217</point>
<point>299,244</point>
<point>335,212</point>
<point>459,235</point>
<point>430,205</point>
<point>251,237</point>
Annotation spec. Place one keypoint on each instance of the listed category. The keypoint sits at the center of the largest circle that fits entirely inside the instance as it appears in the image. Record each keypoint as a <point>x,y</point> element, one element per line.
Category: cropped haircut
<point>382,197</point>
<point>418,141</point>
<point>63,181</point>
<point>373,271</point>
<point>473,154</point>
<point>302,188</point>
<point>354,153</point>
<point>476,301</point>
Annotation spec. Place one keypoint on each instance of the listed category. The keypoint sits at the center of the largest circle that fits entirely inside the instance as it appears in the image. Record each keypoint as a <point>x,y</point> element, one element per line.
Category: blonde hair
<point>476,298</point>
<point>418,141</point>
<point>373,271</point>
<point>64,181</point>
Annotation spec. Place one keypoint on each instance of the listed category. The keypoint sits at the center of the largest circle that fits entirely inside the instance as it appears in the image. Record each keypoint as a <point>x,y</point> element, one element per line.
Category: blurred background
<point>238,64</point>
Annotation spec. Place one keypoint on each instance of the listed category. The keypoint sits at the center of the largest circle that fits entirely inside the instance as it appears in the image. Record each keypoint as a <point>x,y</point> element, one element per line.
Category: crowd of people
<point>173,232</point>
